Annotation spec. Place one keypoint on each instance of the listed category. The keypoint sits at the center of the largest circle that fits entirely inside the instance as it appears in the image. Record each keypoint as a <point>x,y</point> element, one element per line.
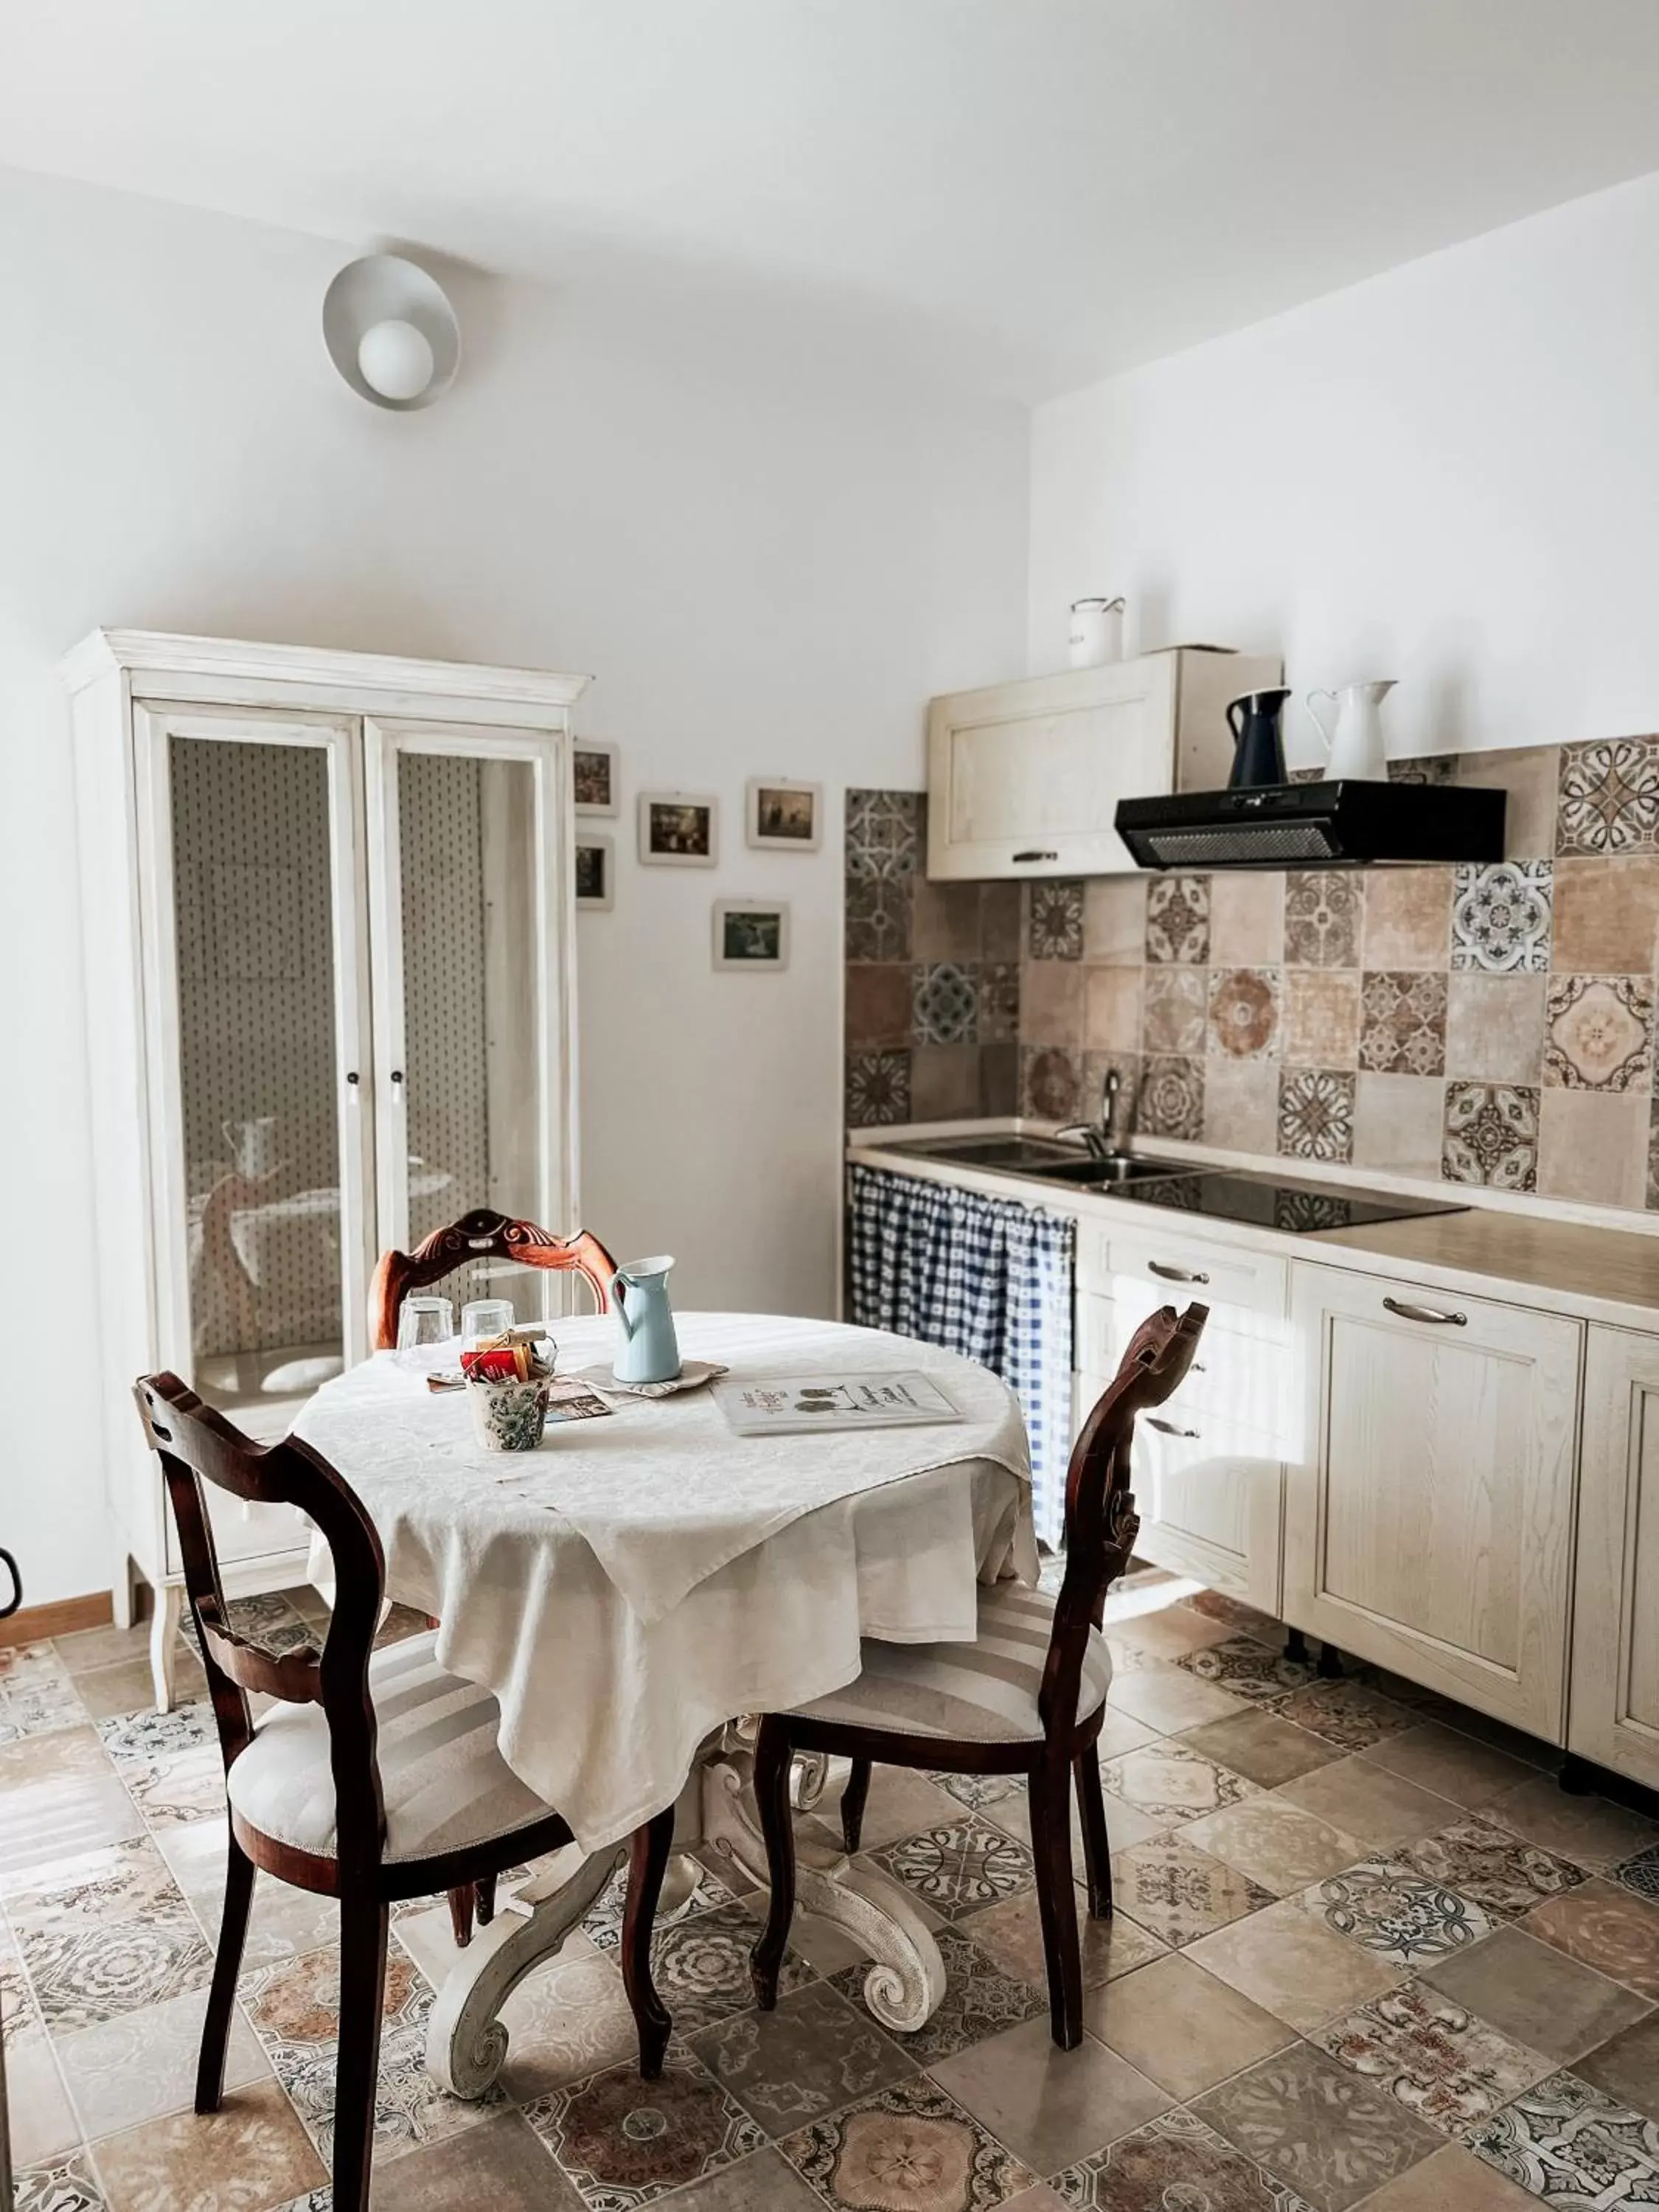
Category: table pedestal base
<point>466,2043</point>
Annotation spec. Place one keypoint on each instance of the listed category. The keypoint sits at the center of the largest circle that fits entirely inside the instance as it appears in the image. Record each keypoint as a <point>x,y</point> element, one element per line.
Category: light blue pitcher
<point>647,1350</point>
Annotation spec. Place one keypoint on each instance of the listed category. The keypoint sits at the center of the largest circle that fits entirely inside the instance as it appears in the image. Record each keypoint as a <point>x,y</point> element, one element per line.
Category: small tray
<point>693,1375</point>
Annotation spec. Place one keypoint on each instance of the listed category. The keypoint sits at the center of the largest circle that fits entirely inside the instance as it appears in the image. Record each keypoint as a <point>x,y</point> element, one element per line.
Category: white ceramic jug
<point>1353,745</point>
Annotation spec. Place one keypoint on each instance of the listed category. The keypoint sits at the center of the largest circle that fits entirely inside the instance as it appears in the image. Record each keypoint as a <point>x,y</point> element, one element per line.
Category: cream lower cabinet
<point>1613,1716</point>
<point>1429,1517</point>
<point>1208,1466</point>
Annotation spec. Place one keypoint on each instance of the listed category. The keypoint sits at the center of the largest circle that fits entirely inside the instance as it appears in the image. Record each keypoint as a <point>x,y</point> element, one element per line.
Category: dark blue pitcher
<point>1258,742</point>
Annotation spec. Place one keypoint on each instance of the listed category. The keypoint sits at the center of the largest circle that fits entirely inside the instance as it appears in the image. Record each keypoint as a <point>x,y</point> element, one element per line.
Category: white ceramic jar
<point>1096,637</point>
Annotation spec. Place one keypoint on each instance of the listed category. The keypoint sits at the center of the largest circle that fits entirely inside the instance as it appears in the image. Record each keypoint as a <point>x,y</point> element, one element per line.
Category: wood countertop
<point>1605,1274</point>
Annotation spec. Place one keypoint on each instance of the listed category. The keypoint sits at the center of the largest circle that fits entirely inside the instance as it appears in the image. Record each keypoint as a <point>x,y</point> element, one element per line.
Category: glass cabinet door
<point>256,950</point>
<point>469,877</point>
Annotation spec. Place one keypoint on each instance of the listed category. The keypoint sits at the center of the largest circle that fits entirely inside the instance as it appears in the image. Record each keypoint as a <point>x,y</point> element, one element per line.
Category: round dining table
<point>644,1581</point>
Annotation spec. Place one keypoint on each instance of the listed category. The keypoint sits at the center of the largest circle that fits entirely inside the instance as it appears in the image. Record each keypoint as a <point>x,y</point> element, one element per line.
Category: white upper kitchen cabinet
<point>1023,779</point>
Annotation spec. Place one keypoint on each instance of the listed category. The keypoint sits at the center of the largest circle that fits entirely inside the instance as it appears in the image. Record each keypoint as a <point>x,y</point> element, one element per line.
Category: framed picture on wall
<point>780,816</point>
<point>595,868</point>
<point>751,934</point>
<point>678,831</point>
<point>595,773</point>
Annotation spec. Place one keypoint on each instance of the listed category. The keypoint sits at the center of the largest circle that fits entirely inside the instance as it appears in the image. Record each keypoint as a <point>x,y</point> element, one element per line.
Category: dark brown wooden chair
<point>1027,1696</point>
<point>376,1776</point>
<point>482,1235</point>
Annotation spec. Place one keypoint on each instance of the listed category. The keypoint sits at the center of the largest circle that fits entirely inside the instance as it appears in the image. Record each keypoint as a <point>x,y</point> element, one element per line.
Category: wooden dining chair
<point>481,1234</point>
<point>376,1777</point>
<point>1027,1696</point>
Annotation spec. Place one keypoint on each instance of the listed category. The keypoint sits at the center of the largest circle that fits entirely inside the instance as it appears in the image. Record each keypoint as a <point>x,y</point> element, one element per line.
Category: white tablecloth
<point>762,1562</point>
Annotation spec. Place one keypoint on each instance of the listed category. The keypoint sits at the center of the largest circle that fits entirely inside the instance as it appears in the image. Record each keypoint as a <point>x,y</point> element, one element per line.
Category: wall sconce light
<point>391,331</point>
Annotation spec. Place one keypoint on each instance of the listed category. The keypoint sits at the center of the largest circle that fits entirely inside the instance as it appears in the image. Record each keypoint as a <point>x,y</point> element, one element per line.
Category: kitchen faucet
<point>1097,1134</point>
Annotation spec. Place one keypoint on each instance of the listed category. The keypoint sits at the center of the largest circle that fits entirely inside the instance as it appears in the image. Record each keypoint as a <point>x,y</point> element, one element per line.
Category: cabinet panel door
<point>1023,779</point>
<point>1429,1519</point>
<point>1613,1716</point>
<point>471,907</point>
<point>249,826</point>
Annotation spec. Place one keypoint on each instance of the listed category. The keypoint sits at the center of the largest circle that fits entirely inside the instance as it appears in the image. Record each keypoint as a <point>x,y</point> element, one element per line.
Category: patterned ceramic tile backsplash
<point>1486,1024</point>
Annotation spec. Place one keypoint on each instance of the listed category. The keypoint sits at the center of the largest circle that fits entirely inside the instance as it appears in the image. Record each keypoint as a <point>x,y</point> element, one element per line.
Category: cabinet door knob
<point>1169,1428</point>
<point>1409,1312</point>
<point>1177,1275</point>
<point>353,1077</point>
<point>1021,859</point>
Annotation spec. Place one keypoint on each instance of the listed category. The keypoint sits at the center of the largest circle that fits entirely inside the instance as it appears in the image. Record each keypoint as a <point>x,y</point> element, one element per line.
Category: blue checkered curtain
<point>986,1277</point>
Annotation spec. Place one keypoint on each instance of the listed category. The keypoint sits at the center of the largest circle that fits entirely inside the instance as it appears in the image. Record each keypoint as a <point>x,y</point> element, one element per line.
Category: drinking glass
<point>421,1323</point>
<point>483,1318</point>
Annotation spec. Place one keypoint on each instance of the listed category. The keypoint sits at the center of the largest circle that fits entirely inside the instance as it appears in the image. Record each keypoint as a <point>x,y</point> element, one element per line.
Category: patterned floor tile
<point>1217,1605</point>
<point>1261,1747</point>
<point>565,2021</point>
<point>1011,1933</point>
<point>1171,1781</point>
<point>1501,1873</point>
<point>958,1869</point>
<point>991,1983</point>
<point>910,2149</point>
<point>1050,2107</point>
<point>1181,1893</point>
<point>1588,1830</point>
<point>38,1695</point>
<point>1641,1875</point>
<point>701,1966</point>
<point>811,2056</point>
<point>1316,2126</point>
<point>1182,2027</point>
<point>1604,1926</point>
<point>981,1791</point>
<point>623,2142</point>
<point>64,2184</point>
<point>142,2064</point>
<point>107,1934</point>
<point>1174,2164</point>
<point>59,1797</point>
<point>1391,1909</point>
<point>1350,1714</point>
<point>171,1762</point>
<point>1537,1996</point>
<point>1279,1846</point>
<point>1436,2057</point>
<point>1573,2148</point>
<point>254,2152</point>
<point>1247,1669</point>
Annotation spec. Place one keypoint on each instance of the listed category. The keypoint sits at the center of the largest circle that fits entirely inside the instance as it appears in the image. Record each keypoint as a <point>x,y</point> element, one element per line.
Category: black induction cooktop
<point>1301,1208</point>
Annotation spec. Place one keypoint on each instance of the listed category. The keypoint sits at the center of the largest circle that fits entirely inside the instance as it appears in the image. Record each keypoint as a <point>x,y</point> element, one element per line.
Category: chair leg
<point>773,1759</point>
<point>227,1966</point>
<point>647,1861</point>
<point>484,1895</point>
<point>852,1800</point>
<point>462,1902</point>
<point>1051,1847</point>
<point>363,1922</point>
<point>1096,1845</point>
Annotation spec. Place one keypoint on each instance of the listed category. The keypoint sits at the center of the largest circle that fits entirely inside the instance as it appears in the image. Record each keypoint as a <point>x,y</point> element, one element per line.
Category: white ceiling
<point>1034,193</point>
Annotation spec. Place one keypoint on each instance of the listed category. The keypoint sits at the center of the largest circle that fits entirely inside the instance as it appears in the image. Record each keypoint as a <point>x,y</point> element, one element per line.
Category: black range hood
<point>1347,824</point>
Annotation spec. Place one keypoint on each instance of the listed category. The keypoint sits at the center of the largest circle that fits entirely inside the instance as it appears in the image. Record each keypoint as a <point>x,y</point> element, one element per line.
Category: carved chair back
<point>1101,1522</point>
<point>196,1444</point>
<point>481,1234</point>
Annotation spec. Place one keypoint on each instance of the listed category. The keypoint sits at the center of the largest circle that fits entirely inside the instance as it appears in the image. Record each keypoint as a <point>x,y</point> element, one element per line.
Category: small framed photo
<point>595,773</point>
<point>595,868</point>
<point>782,816</point>
<point>751,934</point>
<point>677,831</point>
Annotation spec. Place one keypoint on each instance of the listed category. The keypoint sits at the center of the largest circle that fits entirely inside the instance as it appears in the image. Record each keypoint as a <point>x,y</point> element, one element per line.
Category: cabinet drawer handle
<point>1408,1312</point>
<point>1034,854</point>
<point>1169,1428</point>
<point>1177,1275</point>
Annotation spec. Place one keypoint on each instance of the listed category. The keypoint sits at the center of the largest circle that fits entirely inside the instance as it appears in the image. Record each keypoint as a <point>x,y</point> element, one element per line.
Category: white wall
<point>768,555</point>
<point>1449,474</point>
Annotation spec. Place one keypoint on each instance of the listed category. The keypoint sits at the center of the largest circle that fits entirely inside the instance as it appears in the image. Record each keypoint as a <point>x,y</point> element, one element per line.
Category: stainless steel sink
<point>1098,1174</point>
<point>1022,1155</point>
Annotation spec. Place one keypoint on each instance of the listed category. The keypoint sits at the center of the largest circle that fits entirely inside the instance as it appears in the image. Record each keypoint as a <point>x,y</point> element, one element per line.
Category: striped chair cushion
<point>445,1783</point>
<point>985,1691</point>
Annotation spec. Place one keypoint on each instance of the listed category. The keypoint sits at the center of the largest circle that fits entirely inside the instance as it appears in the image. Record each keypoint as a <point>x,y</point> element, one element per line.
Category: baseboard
<point>32,1624</point>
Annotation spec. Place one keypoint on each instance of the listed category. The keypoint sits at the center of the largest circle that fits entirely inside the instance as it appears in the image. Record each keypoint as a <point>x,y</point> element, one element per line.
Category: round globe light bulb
<point>396,360</point>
